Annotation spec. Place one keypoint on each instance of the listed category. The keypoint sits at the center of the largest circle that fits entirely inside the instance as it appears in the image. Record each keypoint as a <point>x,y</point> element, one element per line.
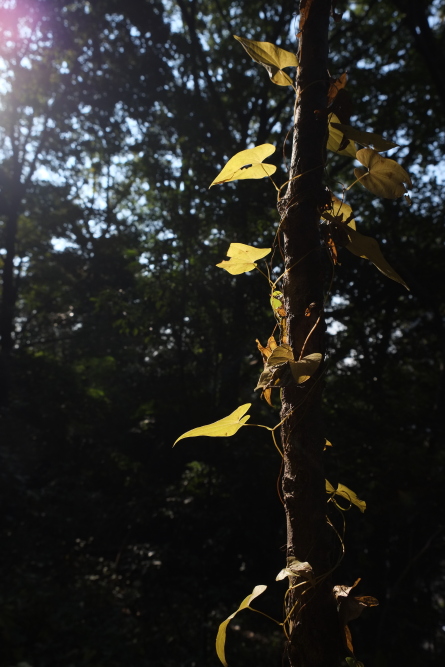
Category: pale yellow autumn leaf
<point>272,58</point>
<point>221,636</point>
<point>383,177</point>
<point>242,258</point>
<point>222,428</point>
<point>336,137</point>
<point>344,492</point>
<point>368,248</point>
<point>247,164</point>
<point>339,208</point>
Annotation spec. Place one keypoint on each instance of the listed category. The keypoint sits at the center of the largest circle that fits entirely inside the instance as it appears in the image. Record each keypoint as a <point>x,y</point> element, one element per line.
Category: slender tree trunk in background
<point>7,308</point>
<point>315,637</point>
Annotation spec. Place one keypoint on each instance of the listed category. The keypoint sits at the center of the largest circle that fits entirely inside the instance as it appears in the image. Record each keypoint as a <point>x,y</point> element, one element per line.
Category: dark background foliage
<point>119,334</point>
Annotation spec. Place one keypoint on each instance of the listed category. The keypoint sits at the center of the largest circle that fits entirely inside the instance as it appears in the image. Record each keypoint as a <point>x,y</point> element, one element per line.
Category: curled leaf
<point>343,491</point>
<point>296,568</point>
<point>383,177</point>
<point>351,496</point>
<point>337,141</point>
<point>335,86</point>
<point>222,428</point>
<point>242,258</point>
<point>368,248</point>
<point>221,636</point>
<point>365,138</point>
<point>247,164</point>
<point>272,58</point>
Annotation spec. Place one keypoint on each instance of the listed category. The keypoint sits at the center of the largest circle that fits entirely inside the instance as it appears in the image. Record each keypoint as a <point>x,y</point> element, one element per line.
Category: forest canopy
<point>118,333</point>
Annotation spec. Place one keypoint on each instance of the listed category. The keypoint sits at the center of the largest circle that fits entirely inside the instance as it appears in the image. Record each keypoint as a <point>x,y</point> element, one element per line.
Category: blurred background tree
<point>118,333</point>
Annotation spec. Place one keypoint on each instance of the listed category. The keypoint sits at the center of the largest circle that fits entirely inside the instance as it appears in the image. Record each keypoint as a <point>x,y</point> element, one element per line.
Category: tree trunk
<point>315,638</point>
<point>7,310</point>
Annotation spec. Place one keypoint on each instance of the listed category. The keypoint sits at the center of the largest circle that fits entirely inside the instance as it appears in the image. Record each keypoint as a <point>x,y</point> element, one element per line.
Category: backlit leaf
<point>339,208</point>
<point>343,491</point>
<point>303,369</point>
<point>336,139</point>
<point>222,428</point>
<point>329,488</point>
<point>384,177</point>
<point>221,636</point>
<point>242,258</point>
<point>365,138</point>
<point>272,58</point>
<point>351,496</point>
<point>335,86</point>
<point>368,248</point>
<point>247,164</point>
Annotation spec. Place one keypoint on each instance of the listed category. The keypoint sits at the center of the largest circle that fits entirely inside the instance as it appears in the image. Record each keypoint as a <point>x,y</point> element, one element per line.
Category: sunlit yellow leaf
<point>339,208</point>
<point>329,487</point>
<point>384,177</point>
<point>247,164</point>
<point>222,428</point>
<point>272,58</point>
<point>221,636</point>
<point>242,258</point>
<point>365,138</point>
<point>303,369</point>
<point>327,444</point>
<point>368,248</point>
<point>351,496</point>
<point>336,138</point>
<point>344,492</point>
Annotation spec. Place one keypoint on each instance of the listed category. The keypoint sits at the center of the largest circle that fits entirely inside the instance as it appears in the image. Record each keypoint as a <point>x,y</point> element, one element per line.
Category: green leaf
<point>384,177</point>
<point>222,428</point>
<point>272,58</point>
<point>242,258</point>
<point>221,636</point>
<point>303,369</point>
<point>274,301</point>
<point>336,138</point>
<point>368,248</point>
<point>365,138</point>
<point>344,492</point>
<point>247,164</point>
<point>352,662</point>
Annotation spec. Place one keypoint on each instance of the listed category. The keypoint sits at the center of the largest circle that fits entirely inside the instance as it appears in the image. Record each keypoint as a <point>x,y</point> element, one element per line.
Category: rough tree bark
<point>315,633</point>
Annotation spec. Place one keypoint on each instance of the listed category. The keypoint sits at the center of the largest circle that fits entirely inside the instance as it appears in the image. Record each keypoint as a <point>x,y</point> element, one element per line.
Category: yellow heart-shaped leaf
<point>383,177</point>
<point>242,258</point>
<point>272,58</point>
<point>247,164</point>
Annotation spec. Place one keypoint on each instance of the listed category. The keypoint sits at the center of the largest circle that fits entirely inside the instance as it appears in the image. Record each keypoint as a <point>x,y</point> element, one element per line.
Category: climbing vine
<point>381,176</point>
